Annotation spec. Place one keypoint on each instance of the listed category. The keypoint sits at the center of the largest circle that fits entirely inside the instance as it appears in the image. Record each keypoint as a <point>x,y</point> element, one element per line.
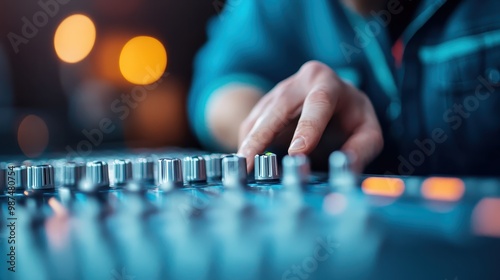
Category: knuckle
<point>321,96</point>
<point>314,66</point>
<point>308,127</point>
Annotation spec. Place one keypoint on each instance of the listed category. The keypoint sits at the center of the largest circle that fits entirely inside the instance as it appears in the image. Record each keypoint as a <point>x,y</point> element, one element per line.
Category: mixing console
<point>182,214</point>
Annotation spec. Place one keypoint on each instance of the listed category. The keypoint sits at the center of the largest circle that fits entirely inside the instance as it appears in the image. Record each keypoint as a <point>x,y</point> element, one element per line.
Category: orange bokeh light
<point>32,136</point>
<point>143,60</point>
<point>444,189</point>
<point>74,38</point>
<point>381,186</point>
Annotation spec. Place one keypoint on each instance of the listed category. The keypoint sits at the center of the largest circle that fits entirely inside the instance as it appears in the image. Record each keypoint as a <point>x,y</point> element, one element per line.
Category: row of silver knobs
<point>174,172</point>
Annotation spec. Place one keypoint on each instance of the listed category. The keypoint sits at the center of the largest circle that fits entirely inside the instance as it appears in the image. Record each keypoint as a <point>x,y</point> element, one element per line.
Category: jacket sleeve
<point>250,43</point>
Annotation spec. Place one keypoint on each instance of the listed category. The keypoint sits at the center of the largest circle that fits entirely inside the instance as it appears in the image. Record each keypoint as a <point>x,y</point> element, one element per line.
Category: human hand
<point>316,94</point>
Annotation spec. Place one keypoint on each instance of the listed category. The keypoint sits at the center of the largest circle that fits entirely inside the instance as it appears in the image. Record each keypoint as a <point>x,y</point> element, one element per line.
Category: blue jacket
<point>439,106</point>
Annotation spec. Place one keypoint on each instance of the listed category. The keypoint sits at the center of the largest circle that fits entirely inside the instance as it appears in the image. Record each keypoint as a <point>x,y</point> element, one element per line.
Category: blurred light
<point>143,60</point>
<point>381,186</point>
<point>74,38</point>
<point>335,203</point>
<point>445,189</point>
<point>32,136</point>
<point>57,226</point>
<point>485,219</point>
<point>57,207</point>
<point>159,118</point>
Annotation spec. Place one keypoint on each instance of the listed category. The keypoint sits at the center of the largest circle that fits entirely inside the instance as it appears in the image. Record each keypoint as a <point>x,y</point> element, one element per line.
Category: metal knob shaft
<point>214,166</point>
<point>96,176</point>
<point>234,171</point>
<point>72,173</point>
<point>16,181</point>
<point>194,169</point>
<point>143,170</point>
<point>169,173</point>
<point>122,171</point>
<point>266,167</point>
<point>296,170</point>
<point>2,177</point>
<point>340,173</point>
<point>40,177</point>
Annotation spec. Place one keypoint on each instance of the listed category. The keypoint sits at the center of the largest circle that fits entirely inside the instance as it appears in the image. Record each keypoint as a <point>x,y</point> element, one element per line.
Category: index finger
<point>275,117</point>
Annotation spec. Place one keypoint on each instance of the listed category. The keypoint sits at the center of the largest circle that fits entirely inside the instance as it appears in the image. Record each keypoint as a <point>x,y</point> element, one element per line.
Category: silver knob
<point>214,166</point>
<point>340,173</point>
<point>122,171</point>
<point>234,171</point>
<point>40,177</point>
<point>17,181</point>
<point>194,169</point>
<point>266,167</point>
<point>143,170</point>
<point>96,175</point>
<point>2,177</point>
<point>169,173</point>
<point>296,170</point>
<point>58,165</point>
<point>72,173</point>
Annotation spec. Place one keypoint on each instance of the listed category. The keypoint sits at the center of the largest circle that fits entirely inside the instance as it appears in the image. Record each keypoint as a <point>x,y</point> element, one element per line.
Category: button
<point>493,76</point>
<point>122,171</point>
<point>72,173</point>
<point>143,170</point>
<point>169,173</point>
<point>96,176</point>
<point>194,169</point>
<point>266,167</point>
<point>234,171</point>
<point>393,111</point>
<point>40,177</point>
<point>296,171</point>
<point>340,173</point>
<point>214,166</point>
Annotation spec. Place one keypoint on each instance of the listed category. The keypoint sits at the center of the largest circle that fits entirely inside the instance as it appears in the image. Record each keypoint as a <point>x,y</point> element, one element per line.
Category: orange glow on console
<point>444,189</point>
<point>380,186</point>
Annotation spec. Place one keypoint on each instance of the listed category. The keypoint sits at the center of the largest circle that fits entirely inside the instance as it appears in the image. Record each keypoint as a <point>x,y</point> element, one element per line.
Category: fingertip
<point>297,146</point>
<point>243,152</point>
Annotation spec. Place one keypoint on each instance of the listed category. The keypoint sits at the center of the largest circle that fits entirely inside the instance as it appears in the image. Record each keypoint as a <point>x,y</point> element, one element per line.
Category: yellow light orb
<point>143,60</point>
<point>74,38</point>
<point>32,136</point>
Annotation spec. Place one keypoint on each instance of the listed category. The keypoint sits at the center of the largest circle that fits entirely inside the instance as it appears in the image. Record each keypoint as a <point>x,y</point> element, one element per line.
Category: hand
<point>316,94</point>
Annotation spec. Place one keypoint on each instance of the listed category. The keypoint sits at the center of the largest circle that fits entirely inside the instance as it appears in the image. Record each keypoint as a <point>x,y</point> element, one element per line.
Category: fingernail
<point>297,144</point>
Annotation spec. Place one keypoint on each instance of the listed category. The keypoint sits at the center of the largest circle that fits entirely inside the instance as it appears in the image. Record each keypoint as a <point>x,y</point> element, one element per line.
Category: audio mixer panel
<point>182,214</point>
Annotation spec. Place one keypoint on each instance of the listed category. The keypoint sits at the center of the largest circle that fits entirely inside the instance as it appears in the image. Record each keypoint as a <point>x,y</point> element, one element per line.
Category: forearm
<point>227,108</point>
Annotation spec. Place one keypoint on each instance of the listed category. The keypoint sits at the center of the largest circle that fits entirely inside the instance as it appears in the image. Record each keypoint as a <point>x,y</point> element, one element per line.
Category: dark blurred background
<point>76,92</point>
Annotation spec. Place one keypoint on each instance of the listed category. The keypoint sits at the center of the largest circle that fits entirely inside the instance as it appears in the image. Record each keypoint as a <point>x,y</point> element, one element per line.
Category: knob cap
<point>72,173</point>
<point>234,171</point>
<point>214,166</point>
<point>96,175</point>
<point>122,171</point>
<point>266,167</point>
<point>296,170</point>
<point>143,170</point>
<point>2,177</point>
<point>194,169</point>
<point>17,181</point>
<point>169,173</point>
<point>40,177</point>
<point>340,172</point>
